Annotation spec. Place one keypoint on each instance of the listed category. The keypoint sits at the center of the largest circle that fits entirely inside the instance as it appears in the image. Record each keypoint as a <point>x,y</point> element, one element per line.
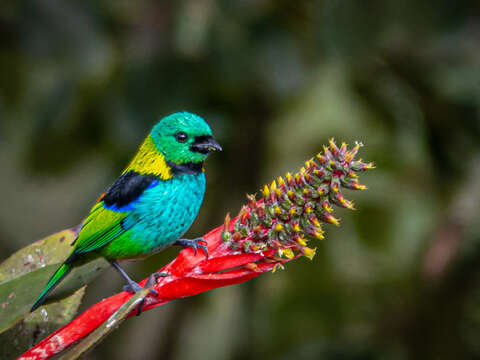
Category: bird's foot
<point>133,287</point>
<point>193,243</point>
<point>152,279</point>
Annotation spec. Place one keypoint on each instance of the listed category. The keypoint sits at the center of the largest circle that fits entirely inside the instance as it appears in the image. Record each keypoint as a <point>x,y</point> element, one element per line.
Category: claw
<point>133,287</point>
<point>152,279</point>
<point>195,244</point>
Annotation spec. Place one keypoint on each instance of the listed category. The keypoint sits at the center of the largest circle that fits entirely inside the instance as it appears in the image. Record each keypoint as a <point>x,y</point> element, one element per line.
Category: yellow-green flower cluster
<point>293,208</point>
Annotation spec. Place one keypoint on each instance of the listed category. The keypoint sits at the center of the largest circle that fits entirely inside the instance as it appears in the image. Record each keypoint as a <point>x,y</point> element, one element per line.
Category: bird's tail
<point>54,280</point>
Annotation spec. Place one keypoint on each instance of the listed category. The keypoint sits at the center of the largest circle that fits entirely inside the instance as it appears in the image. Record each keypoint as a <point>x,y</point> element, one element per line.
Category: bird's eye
<point>181,137</point>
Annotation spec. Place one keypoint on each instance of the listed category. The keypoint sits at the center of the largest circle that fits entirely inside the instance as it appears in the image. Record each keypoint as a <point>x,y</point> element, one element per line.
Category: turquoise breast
<point>165,212</point>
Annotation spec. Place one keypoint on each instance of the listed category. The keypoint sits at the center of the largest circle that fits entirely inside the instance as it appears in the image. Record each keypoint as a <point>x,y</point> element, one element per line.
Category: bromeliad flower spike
<point>267,233</point>
<point>293,208</point>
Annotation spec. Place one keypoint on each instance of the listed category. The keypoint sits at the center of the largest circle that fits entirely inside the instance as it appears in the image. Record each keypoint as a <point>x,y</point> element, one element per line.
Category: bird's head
<point>184,138</point>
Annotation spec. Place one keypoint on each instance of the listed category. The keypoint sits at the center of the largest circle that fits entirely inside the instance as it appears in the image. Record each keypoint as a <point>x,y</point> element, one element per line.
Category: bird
<point>151,205</point>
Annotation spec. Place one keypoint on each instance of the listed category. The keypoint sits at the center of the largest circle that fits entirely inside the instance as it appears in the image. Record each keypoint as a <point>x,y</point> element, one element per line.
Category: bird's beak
<point>205,145</point>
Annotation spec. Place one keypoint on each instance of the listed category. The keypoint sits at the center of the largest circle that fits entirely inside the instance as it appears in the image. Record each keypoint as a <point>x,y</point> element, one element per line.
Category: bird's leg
<point>194,243</point>
<point>132,286</point>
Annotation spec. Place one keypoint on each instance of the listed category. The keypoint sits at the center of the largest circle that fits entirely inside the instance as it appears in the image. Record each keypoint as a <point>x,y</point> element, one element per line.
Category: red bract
<point>267,233</point>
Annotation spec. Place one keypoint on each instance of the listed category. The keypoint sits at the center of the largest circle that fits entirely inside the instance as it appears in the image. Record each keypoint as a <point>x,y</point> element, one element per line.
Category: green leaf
<point>35,326</point>
<point>24,275</point>
<point>52,250</point>
<point>18,295</point>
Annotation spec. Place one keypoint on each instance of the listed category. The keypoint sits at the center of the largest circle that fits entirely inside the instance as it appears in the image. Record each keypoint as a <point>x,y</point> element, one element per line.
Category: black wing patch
<point>127,188</point>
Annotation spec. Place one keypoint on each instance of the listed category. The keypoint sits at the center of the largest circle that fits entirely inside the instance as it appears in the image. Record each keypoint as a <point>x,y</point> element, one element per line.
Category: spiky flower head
<point>294,208</point>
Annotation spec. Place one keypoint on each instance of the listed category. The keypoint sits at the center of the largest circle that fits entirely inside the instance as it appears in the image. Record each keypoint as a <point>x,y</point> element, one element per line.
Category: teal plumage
<point>161,215</point>
<point>152,204</point>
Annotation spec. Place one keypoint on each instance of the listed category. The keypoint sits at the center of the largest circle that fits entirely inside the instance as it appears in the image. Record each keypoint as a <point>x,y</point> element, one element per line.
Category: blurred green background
<point>82,82</point>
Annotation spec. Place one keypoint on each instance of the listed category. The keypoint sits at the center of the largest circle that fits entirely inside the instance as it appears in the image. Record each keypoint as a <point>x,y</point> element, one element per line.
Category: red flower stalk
<point>265,234</point>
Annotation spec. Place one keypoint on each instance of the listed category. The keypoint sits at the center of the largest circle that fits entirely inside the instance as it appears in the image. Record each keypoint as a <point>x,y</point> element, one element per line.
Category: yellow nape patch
<point>149,161</point>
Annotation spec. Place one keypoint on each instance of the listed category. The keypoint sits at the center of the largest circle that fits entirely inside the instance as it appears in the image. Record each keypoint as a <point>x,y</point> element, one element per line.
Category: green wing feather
<point>101,226</point>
